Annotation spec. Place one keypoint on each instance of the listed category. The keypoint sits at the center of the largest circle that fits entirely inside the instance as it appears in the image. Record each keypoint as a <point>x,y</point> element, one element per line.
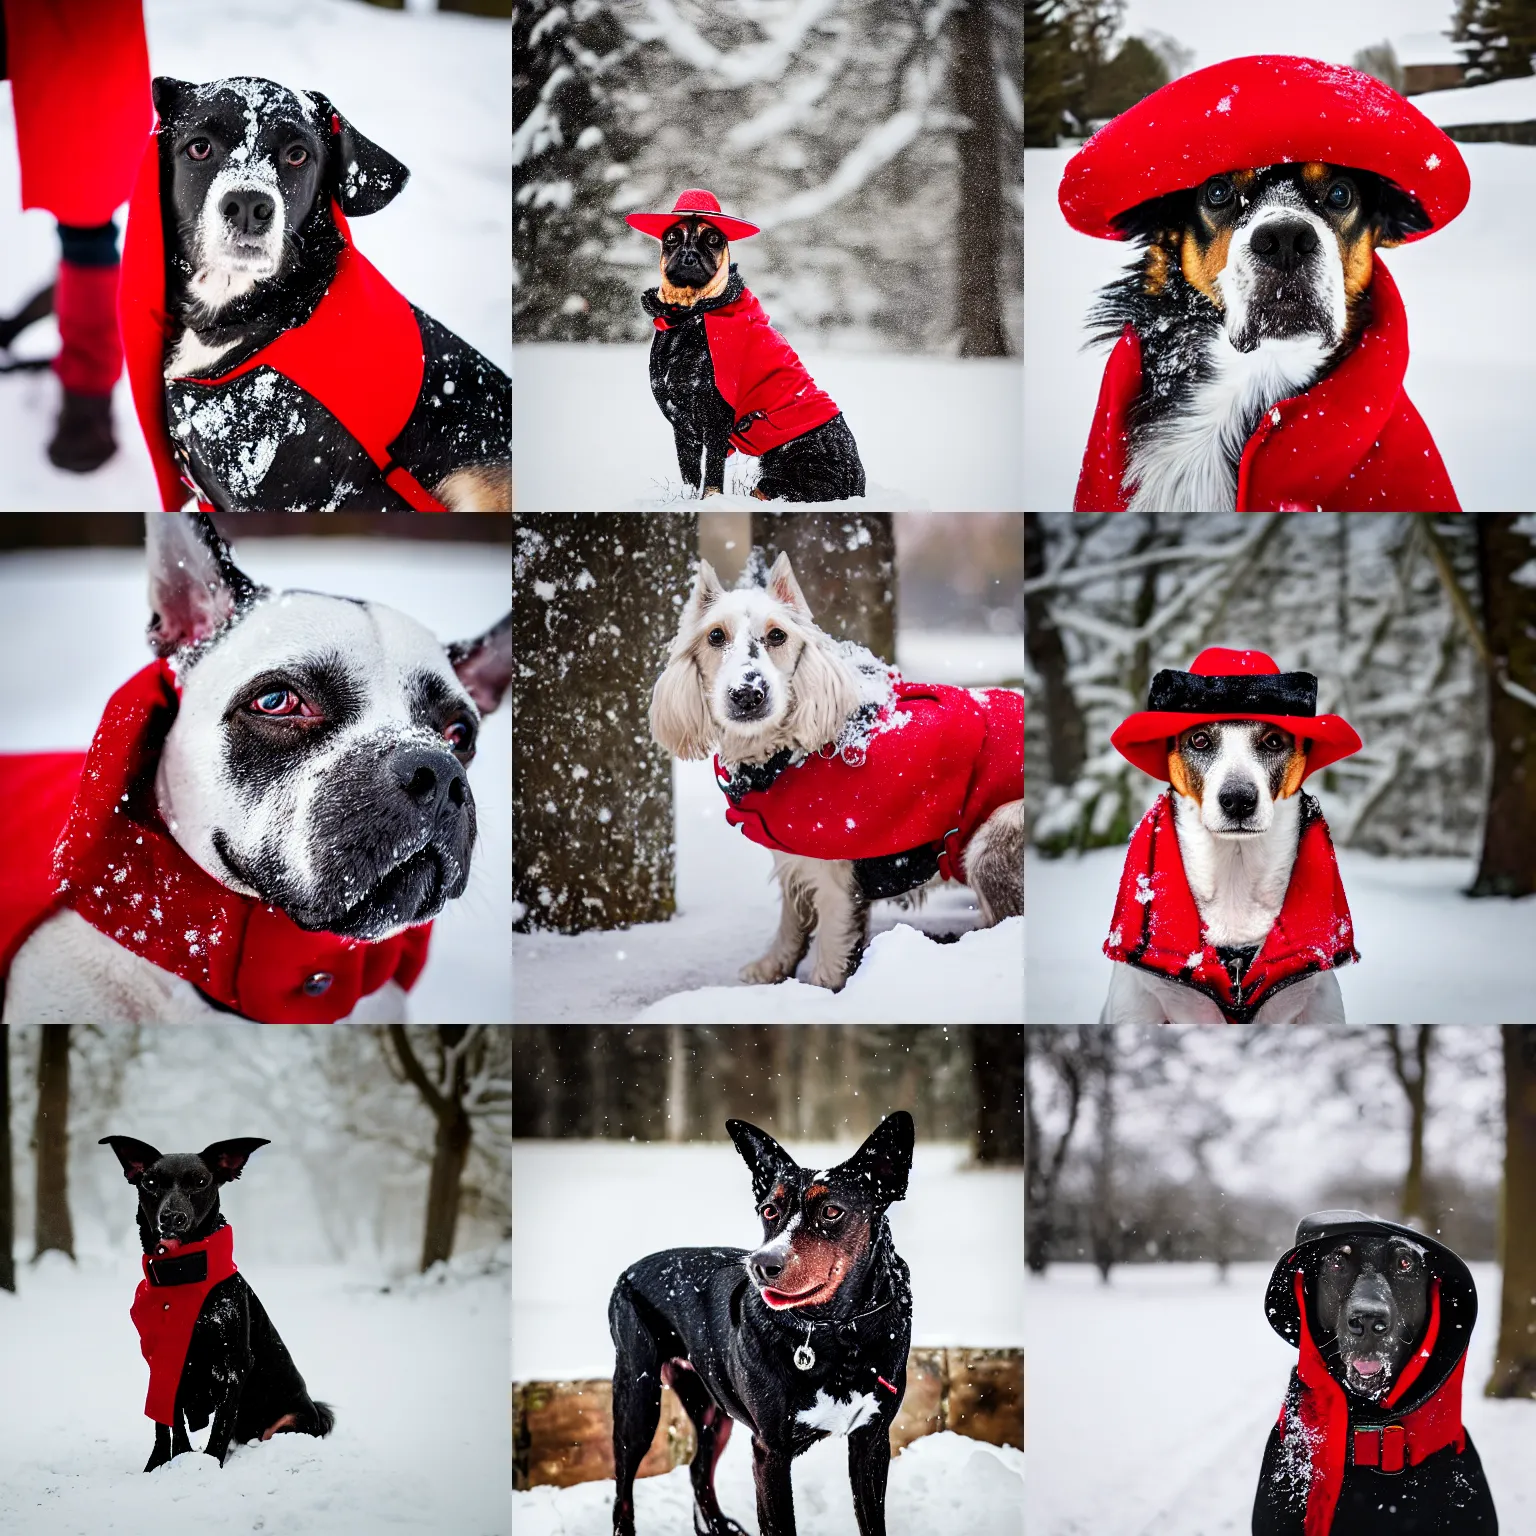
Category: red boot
<point>89,362</point>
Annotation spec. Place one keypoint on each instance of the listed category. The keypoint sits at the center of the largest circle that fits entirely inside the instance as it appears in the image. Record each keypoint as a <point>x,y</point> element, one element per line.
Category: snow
<point>421,1443</point>
<point>85,610</point>
<point>1430,954</point>
<point>445,242</point>
<point>1183,1377</point>
<point>1468,379</point>
<point>932,431</point>
<point>1501,101</point>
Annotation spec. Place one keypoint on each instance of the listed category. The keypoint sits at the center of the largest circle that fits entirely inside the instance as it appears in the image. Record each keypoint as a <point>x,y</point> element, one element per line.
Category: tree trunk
<point>1105,1235</point>
<point>997,1061</point>
<point>677,1082</point>
<point>595,602</point>
<point>1508,866</point>
<point>1042,1169</point>
<point>1414,1081</point>
<point>7,1191</point>
<point>1514,1366</point>
<point>54,1228</point>
<point>1066,733</point>
<point>973,70</point>
<point>451,1142</point>
<point>845,563</point>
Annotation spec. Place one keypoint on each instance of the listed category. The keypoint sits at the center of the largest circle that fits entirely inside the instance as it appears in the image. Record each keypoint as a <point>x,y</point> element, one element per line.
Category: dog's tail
<point>316,1419</point>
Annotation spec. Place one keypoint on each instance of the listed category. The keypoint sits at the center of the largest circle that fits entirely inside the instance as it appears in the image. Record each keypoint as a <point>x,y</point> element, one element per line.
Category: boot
<point>89,362</point>
<point>83,439</point>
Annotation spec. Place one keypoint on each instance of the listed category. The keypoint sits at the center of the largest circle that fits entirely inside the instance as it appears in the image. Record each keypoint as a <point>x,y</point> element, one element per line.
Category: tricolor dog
<point>1258,344</point>
<point>803,1338</point>
<point>1230,905</point>
<point>273,366</point>
<point>269,818</point>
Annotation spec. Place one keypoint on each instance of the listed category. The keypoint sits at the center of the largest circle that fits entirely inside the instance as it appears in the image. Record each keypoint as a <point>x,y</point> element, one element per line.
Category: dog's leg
<point>869,1459</point>
<point>636,1403</point>
<point>713,1427</point>
<point>994,864</point>
<point>224,1419</point>
<point>775,1492</point>
<point>797,916</point>
<point>690,455</point>
<point>179,1441</point>
<point>717,438</point>
<point>162,1451</point>
<point>842,924</point>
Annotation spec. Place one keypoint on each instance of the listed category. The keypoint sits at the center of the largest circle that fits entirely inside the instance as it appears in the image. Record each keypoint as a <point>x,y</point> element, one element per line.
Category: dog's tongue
<point>168,1244</point>
<point>1366,1367</point>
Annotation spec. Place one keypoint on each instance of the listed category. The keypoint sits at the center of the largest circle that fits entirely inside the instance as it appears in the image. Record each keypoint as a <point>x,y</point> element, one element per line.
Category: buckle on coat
<point>1383,1447</point>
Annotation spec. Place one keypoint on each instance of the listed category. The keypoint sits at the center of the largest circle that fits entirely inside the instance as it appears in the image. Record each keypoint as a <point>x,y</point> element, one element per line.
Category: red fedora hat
<point>695,201</point>
<point>1232,685</point>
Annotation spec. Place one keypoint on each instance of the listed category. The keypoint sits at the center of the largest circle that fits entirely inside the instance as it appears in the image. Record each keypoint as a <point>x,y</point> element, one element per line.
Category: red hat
<point>1232,685</point>
<point>1263,110</point>
<point>696,201</point>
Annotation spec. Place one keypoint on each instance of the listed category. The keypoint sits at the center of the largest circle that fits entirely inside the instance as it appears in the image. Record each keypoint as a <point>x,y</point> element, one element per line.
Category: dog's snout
<point>1284,243</point>
<point>1238,799</point>
<point>748,694</point>
<point>247,212</point>
<point>173,1221</point>
<point>767,1266</point>
<point>1368,1313</point>
<point>433,780</point>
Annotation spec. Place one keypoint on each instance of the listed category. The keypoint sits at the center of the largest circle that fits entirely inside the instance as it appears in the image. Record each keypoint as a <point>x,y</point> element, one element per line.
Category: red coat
<point>757,371</point>
<point>80,87</point>
<point>1351,443</point>
<point>165,1307</point>
<point>81,831</point>
<point>937,765</point>
<point>1157,925</point>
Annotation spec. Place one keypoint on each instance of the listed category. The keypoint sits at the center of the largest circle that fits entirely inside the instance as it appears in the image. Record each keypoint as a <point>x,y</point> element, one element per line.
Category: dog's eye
<point>1273,742</point>
<point>199,149</point>
<point>777,637</point>
<point>277,701</point>
<point>1405,1261</point>
<point>295,154</point>
<point>713,237</point>
<point>831,1213</point>
<point>717,636</point>
<point>460,735</point>
<point>770,1213</point>
<point>1200,742</point>
<point>1340,196</point>
<point>1218,192</point>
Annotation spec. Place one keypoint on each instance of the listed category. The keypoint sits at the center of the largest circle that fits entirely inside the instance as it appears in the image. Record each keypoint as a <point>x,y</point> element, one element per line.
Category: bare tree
<point>7,1190</point>
<point>997,1062</point>
<point>1059,1054</point>
<point>1411,1069</point>
<point>1066,738</point>
<point>54,1229</point>
<point>1514,1366</point>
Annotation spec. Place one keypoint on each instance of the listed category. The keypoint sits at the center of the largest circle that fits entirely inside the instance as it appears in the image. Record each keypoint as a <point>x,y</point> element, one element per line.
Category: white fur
<point>192,355</point>
<point>1238,278</point>
<point>832,1417</point>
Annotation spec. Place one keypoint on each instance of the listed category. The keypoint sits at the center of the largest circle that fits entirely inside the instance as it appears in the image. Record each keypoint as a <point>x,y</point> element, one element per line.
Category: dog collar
<point>120,869</point>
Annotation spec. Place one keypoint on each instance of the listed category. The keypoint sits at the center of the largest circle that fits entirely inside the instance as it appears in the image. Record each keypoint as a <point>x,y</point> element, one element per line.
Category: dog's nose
<point>1284,243</point>
<point>434,780</point>
<point>172,1222</point>
<point>1239,801</point>
<point>1367,1312</point>
<point>767,1267</point>
<point>247,213</point>
<point>748,696</point>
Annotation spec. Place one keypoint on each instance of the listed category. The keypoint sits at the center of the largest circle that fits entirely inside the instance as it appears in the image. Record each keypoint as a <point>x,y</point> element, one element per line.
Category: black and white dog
<point>294,377</point>
<point>313,781</point>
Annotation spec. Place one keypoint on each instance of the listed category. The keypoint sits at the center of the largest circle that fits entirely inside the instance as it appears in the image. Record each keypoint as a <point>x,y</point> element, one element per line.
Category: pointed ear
<point>885,1159</point>
<point>707,590</point>
<point>195,587</point>
<point>764,1156</point>
<point>363,178</point>
<point>484,665</point>
<point>168,94</point>
<point>226,1159</point>
<point>783,585</point>
<point>135,1156</point>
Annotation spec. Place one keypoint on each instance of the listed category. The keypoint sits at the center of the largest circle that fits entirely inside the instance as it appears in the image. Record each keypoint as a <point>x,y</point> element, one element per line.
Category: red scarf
<point>177,1279</point>
<point>1157,925</point>
<point>1386,1443</point>
<point>116,865</point>
<point>359,354</point>
<point>935,777</point>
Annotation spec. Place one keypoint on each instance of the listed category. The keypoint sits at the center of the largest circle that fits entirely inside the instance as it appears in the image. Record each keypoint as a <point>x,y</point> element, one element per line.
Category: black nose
<point>767,1267</point>
<point>748,696</point>
<point>1367,1312</point>
<point>1284,243</point>
<point>1239,801</point>
<point>247,213</point>
<point>433,780</point>
<point>174,1221</point>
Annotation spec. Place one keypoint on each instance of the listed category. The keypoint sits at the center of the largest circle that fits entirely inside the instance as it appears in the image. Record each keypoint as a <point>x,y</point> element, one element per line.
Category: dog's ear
<point>783,586</point>
<point>679,718</point>
<point>764,1156</point>
<point>1398,214</point>
<point>135,1156</point>
<point>484,664</point>
<point>823,696</point>
<point>168,94</point>
<point>363,178</point>
<point>707,590</point>
<point>195,587</point>
<point>884,1161</point>
<point>226,1159</point>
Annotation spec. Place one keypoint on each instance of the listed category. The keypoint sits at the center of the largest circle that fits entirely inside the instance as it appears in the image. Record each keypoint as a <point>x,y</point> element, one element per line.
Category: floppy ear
<point>1398,214</point>
<point>679,717</point>
<point>764,1156</point>
<point>484,664</point>
<point>226,1159</point>
<point>885,1159</point>
<point>168,93</point>
<point>135,1156</point>
<point>1295,771</point>
<point>363,178</point>
<point>195,587</point>
<point>824,693</point>
<point>783,585</point>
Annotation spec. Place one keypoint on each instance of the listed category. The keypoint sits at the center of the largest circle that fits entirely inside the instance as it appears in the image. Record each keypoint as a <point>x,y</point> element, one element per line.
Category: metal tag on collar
<point>805,1356</point>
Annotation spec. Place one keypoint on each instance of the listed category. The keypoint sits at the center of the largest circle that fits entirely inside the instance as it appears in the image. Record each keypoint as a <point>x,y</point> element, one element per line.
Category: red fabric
<point>695,200</point>
<point>1142,738</point>
<point>953,762</point>
<point>1351,443</point>
<point>164,1315</point>
<point>1262,110</point>
<point>91,350</point>
<point>80,88</point>
<point>359,354</point>
<point>760,376</point>
<point>117,866</point>
<point>1157,925</point>
<point>36,791</point>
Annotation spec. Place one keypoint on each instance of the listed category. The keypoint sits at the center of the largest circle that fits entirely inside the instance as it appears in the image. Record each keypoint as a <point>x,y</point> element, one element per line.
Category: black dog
<point>807,1337</point>
<point>286,386</point>
<point>235,1367</point>
<point>1370,1440</point>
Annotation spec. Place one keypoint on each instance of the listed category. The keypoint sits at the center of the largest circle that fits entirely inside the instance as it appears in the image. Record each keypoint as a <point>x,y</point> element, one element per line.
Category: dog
<point>805,1337</point>
<point>273,367</point>
<point>725,379</point>
<point>211,1348</point>
<point>270,814</point>
<point>1370,1440</point>
<point>816,738</point>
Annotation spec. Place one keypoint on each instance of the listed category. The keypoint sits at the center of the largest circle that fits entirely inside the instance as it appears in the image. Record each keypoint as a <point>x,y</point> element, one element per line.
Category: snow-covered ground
<point>933,432</point>
<point>960,1229</point>
<point>84,610</point>
<point>1150,1400</point>
<point>1470,371</point>
<point>434,90</point>
<point>416,1373</point>
<point>1430,955</point>
<point>1500,101</point>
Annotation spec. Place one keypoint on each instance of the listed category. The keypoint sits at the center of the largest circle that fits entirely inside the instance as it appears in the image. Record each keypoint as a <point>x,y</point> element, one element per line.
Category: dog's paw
<point>833,980</point>
<point>766,971</point>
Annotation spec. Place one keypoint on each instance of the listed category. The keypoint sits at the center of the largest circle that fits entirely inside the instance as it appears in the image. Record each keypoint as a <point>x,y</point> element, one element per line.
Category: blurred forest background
<point>877,143</point>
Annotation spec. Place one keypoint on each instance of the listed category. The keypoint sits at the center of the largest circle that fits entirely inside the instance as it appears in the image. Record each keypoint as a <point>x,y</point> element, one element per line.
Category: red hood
<point>1351,443</point>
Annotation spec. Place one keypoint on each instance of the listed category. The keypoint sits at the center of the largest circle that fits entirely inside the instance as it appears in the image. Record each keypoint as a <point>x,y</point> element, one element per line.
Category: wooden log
<point>986,1395</point>
<point>922,1409</point>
